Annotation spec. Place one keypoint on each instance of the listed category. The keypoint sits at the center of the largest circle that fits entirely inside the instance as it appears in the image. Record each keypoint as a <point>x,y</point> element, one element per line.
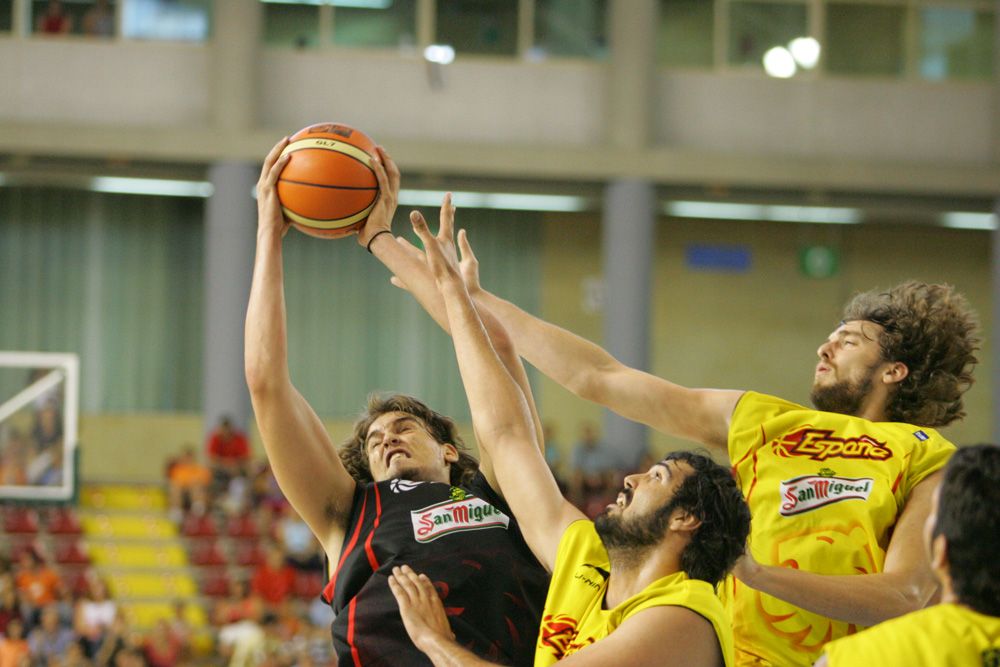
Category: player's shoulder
<point>756,406</point>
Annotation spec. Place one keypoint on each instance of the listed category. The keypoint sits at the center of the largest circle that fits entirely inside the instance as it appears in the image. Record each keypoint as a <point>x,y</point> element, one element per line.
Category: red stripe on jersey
<point>350,632</point>
<point>753,484</point>
<point>895,485</point>
<point>372,561</point>
<point>329,589</point>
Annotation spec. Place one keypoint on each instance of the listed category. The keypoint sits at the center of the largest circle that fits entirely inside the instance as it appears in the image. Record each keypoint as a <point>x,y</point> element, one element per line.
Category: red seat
<point>20,544</point>
<point>206,553</point>
<point>198,526</point>
<point>71,552</point>
<point>308,585</point>
<point>215,583</point>
<point>77,580</point>
<point>249,554</point>
<point>63,521</point>
<point>20,520</point>
<point>243,526</point>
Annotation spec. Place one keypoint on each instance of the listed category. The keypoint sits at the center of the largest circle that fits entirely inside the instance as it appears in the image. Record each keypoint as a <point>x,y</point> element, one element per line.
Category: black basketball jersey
<point>466,541</point>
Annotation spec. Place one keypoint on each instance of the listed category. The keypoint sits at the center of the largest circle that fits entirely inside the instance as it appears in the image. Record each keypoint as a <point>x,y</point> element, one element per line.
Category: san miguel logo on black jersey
<point>821,444</point>
<point>454,516</point>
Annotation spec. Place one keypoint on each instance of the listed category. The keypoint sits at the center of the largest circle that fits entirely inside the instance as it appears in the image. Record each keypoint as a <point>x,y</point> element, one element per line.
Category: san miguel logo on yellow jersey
<point>810,492</point>
<point>454,516</point>
<point>821,444</point>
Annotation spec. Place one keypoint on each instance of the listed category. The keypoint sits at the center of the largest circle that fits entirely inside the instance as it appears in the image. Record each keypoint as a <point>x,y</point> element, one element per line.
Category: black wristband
<point>372,239</point>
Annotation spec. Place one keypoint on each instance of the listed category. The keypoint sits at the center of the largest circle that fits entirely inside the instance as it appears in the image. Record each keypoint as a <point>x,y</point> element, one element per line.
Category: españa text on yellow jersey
<point>948,635</point>
<point>574,617</point>
<point>825,491</point>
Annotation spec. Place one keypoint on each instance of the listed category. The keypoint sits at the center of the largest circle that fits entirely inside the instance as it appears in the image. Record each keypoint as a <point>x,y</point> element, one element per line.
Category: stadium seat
<point>199,526</point>
<point>63,521</point>
<point>206,553</point>
<point>243,526</point>
<point>215,583</point>
<point>20,520</point>
<point>249,554</point>
<point>71,552</point>
<point>308,585</point>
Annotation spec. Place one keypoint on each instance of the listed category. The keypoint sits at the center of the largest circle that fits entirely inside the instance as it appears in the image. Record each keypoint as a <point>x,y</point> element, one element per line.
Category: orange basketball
<point>328,187</point>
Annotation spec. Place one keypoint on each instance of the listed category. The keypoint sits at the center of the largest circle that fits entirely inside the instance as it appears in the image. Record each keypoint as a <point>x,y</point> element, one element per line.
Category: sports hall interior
<point>627,169</point>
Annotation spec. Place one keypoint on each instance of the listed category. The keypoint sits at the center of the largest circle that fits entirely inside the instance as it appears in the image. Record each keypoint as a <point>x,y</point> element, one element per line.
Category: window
<point>757,27</point>
<point>570,28</point>
<point>865,39</point>
<point>478,26</point>
<point>956,43</point>
<point>392,24</point>
<point>291,24</point>
<point>180,20</point>
<point>686,35</point>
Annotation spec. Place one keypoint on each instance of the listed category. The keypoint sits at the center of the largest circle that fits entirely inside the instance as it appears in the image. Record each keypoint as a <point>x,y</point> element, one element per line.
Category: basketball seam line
<point>332,187</point>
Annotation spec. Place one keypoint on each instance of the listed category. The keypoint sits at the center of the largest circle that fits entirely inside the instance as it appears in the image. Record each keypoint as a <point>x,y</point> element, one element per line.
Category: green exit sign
<point>819,261</point>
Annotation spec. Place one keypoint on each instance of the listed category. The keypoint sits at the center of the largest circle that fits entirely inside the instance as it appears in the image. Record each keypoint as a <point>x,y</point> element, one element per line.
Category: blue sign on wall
<point>724,258</point>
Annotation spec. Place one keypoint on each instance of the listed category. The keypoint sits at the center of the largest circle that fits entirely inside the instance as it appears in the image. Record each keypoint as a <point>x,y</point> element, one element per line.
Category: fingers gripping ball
<point>328,187</point>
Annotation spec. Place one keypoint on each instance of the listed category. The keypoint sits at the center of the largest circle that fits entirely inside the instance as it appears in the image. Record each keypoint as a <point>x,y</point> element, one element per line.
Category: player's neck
<point>873,407</point>
<point>634,570</point>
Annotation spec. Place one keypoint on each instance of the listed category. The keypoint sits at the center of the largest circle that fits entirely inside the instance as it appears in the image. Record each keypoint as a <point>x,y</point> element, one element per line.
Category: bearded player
<point>637,586</point>
<point>838,493</point>
<point>401,491</point>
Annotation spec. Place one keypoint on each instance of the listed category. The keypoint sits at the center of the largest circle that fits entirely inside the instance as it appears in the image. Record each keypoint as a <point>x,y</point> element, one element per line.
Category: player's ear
<point>450,452</point>
<point>939,554</point>
<point>683,521</point>
<point>895,373</point>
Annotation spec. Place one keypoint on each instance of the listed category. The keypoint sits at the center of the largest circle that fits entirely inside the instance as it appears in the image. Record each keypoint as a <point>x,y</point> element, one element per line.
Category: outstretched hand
<point>439,251</point>
<point>270,217</point>
<point>463,257</point>
<point>420,607</point>
<point>380,218</point>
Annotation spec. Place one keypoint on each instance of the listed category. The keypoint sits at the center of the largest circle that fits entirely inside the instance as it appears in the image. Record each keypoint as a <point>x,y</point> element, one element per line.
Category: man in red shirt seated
<point>228,453</point>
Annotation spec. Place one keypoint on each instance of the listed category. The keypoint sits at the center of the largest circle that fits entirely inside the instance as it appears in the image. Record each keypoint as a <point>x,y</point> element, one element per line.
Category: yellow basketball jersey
<point>574,617</point>
<point>824,491</point>
<point>948,635</point>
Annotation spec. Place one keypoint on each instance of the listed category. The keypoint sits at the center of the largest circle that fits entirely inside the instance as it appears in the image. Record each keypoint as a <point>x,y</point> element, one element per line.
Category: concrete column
<point>629,235</point>
<point>629,207</point>
<point>236,25</point>
<point>230,238</point>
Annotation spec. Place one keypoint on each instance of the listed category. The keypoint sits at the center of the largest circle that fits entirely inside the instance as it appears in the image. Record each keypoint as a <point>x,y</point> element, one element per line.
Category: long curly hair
<point>933,330</point>
<point>355,456</point>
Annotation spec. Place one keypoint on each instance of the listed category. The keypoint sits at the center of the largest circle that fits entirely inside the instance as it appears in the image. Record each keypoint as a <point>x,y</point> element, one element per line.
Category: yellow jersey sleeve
<point>747,428</point>
<point>931,456</point>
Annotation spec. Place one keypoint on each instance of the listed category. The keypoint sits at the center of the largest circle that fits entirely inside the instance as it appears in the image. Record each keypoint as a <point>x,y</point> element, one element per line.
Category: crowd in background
<point>263,604</point>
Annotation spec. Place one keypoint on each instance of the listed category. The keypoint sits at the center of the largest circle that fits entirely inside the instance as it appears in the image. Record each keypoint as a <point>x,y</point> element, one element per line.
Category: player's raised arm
<point>410,271</point>
<point>500,413</point>
<point>589,371</point>
<point>304,460</point>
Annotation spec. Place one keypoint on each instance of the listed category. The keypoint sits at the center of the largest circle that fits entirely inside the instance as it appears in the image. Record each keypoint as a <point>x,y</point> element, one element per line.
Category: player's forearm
<point>444,652</point>
<point>497,405</point>
<point>570,360</point>
<point>265,338</point>
<point>863,599</point>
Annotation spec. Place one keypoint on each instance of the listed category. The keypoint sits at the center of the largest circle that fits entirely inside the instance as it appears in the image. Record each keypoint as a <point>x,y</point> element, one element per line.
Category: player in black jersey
<point>415,496</point>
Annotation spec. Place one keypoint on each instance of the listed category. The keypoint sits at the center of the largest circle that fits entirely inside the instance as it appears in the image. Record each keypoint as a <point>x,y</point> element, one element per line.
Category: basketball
<point>328,187</point>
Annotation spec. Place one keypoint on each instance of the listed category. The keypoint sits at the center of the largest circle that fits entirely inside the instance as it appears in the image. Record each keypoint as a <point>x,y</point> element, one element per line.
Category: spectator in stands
<point>273,580</point>
<point>228,453</point>
<point>37,584</point>
<point>47,431</point>
<point>99,21</point>
<point>265,490</point>
<point>94,616</point>
<point>50,639</point>
<point>302,550</point>
<point>74,657</point>
<point>161,647</point>
<point>10,608</point>
<point>241,604</point>
<point>592,481</point>
<point>187,481</point>
<point>14,649</point>
<point>13,458</point>
<point>180,627</point>
<point>55,21</point>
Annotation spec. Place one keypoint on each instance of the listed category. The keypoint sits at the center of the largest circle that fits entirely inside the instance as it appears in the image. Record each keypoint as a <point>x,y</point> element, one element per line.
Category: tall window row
<point>927,39</point>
